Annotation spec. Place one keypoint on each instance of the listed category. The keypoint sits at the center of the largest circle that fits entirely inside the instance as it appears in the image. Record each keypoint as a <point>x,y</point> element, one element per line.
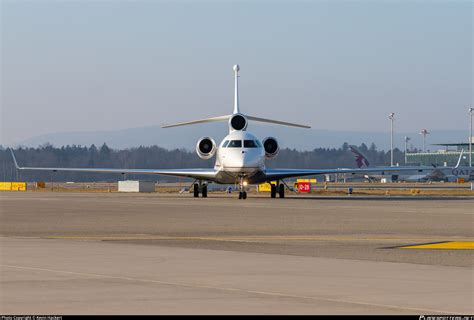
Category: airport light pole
<point>471,110</point>
<point>391,116</point>
<point>406,147</point>
<point>424,132</point>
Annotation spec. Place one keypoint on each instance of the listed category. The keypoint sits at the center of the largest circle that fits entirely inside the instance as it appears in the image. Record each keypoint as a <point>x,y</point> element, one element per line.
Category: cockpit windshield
<point>235,144</point>
<point>250,144</point>
<point>238,144</point>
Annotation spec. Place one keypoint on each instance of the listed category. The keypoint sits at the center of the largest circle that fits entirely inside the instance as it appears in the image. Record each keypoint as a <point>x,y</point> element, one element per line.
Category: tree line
<point>155,157</point>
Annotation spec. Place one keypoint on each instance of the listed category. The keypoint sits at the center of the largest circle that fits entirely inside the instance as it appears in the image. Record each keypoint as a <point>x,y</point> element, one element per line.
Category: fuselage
<point>240,155</point>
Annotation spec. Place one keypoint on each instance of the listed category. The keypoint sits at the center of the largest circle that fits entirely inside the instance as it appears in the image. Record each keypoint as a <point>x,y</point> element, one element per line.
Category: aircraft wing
<point>205,174</point>
<point>274,174</point>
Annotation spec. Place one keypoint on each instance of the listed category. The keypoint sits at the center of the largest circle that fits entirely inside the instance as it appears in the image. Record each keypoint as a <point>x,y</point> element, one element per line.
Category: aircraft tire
<point>196,190</point>
<point>281,190</point>
<point>204,191</point>
<point>273,191</point>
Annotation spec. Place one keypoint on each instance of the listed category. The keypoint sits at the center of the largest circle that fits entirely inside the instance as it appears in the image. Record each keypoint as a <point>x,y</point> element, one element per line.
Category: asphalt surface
<point>83,253</point>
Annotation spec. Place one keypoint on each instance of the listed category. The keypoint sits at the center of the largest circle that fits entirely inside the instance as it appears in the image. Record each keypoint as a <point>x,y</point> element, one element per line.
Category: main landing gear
<point>200,187</point>
<point>280,189</point>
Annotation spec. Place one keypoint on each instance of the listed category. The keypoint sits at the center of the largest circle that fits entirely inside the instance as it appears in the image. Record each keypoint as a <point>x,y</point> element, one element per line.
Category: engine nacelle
<point>271,147</point>
<point>238,122</point>
<point>206,148</point>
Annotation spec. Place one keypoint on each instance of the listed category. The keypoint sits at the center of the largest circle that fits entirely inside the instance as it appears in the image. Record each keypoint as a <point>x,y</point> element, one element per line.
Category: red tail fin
<point>360,159</point>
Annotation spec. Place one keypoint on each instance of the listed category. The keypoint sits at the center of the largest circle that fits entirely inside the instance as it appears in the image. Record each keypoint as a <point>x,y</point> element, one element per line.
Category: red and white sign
<point>304,187</point>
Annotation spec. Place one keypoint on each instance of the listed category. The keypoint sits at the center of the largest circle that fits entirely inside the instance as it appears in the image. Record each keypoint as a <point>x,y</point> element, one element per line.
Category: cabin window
<point>250,144</point>
<point>258,143</point>
<point>235,144</point>
<point>225,143</point>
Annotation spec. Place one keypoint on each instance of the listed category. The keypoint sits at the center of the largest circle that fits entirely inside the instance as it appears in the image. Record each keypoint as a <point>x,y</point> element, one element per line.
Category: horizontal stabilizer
<point>213,119</point>
<point>277,122</point>
<point>227,117</point>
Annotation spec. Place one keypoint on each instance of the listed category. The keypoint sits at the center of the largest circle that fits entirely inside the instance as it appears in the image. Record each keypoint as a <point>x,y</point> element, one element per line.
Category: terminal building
<point>448,156</point>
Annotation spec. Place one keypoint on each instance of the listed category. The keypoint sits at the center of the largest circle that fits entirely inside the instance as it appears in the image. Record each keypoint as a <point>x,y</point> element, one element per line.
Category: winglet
<point>459,160</point>
<point>14,159</point>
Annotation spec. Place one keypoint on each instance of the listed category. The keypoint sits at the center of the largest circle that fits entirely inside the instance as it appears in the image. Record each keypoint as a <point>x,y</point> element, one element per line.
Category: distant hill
<point>186,137</point>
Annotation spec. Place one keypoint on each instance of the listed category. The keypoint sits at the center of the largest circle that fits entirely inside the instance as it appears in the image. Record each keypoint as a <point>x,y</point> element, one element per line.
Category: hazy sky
<point>95,65</point>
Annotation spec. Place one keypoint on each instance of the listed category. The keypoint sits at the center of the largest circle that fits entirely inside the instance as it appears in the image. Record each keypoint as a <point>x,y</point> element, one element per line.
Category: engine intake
<point>238,122</point>
<point>271,147</point>
<point>206,148</point>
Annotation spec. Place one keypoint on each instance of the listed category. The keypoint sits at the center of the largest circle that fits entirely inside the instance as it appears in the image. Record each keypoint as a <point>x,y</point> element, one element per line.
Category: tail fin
<point>236,111</point>
<point>360,159</point>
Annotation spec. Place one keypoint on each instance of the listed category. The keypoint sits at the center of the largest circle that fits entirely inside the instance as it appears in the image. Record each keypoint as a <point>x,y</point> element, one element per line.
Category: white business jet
<point>240,157</point>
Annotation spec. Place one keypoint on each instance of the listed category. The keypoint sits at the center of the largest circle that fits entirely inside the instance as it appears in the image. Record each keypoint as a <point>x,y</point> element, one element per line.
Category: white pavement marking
<point>229,289</point>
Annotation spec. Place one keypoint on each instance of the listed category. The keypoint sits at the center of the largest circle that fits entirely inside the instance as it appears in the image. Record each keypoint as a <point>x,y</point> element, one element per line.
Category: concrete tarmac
<point>88,253</point>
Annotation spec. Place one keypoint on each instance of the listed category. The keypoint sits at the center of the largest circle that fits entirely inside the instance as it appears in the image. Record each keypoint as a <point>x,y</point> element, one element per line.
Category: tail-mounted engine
<point>238,122</point>
<point>271,147</point>
<point>206,148</point>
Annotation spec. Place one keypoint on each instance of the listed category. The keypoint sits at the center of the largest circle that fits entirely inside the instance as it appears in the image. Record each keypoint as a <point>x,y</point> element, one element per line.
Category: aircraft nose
<point>249,160</point>
<point>239,161</point>
<point>242,161</point>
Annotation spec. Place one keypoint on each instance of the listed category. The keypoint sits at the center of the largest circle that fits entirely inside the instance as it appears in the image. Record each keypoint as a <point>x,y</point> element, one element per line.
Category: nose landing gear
<point>242,192</point>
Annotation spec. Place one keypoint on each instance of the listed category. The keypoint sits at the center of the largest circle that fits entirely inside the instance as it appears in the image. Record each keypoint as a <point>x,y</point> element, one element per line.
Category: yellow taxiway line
<point>464,244</point>
<point>448,245</point>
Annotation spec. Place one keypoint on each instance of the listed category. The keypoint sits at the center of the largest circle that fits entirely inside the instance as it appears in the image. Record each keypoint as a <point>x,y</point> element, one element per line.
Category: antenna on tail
<point>236,93</point>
